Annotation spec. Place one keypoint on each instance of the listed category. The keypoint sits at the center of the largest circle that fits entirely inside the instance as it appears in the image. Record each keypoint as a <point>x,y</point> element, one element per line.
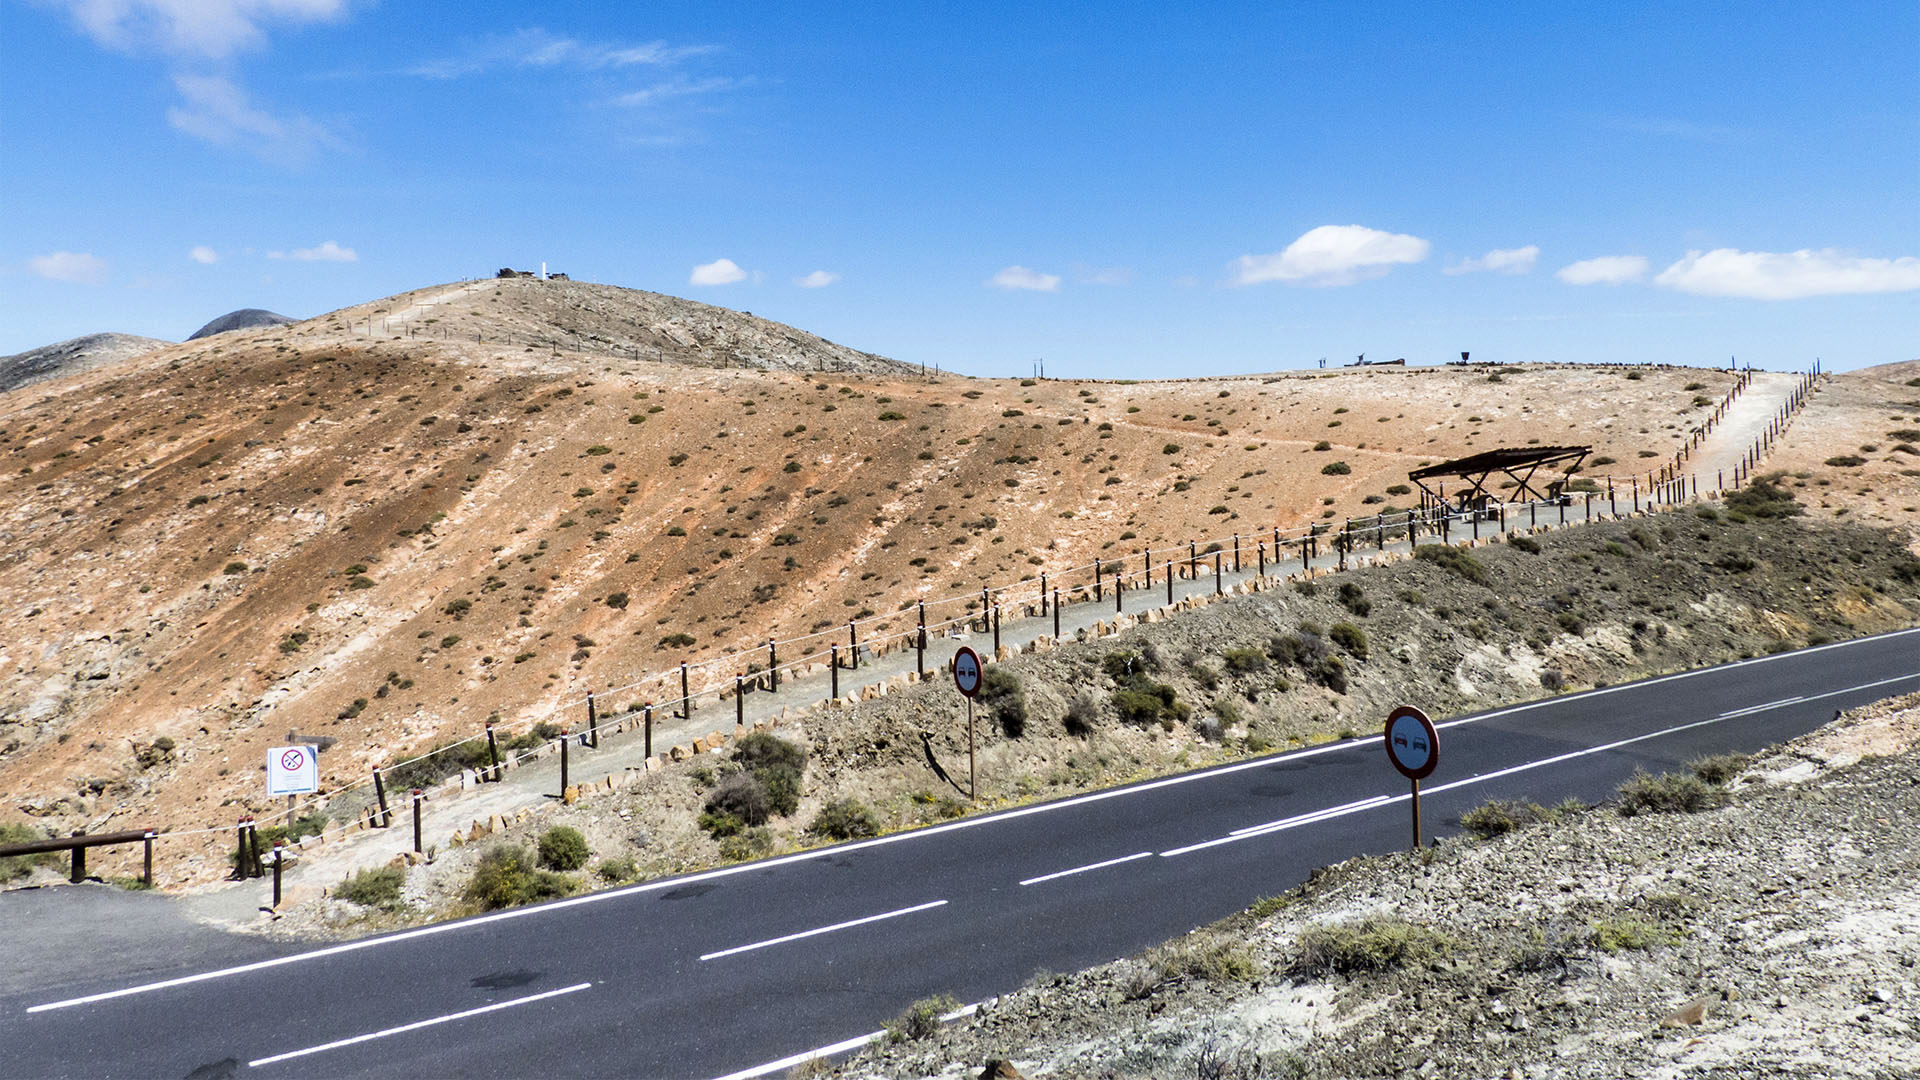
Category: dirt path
<point>1745,422</point>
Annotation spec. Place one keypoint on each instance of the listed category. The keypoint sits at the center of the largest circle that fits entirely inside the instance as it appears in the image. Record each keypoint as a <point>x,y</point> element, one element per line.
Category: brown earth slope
<point>387,540</point>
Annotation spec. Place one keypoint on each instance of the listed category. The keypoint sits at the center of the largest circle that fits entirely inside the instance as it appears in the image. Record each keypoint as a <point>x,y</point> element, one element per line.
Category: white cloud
<point>1019,277</point>
<point>220,112</point>
<point>1604,270</point>
<point>1794,275</point>
<point>326,252</point>
<point>209,28</point>
<point>717,272</point>
<point>819,279</point>
<point>537,48</point>
<point>675,88</point>
<point>1333,255</point>
<point>203,255</point>
<point>1499,261</point>
<point>73,266</point>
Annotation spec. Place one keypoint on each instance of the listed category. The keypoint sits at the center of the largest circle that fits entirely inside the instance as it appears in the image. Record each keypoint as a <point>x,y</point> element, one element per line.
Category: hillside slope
<point>389,541</point>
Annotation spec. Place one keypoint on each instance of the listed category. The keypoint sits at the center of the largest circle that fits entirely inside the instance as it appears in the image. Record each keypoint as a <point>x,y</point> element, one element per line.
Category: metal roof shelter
<point>1519,463</point>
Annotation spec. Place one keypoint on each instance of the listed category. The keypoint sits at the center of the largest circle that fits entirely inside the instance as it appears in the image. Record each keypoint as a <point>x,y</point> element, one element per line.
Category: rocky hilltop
<point>72,356</point>
<point>591,318</point>
<point>243,319</point>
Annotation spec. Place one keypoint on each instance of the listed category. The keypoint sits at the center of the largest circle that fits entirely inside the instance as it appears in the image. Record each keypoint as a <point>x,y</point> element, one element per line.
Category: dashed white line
<point>1089,866</point>
<point>417,1025</point>
<point>824,930</point>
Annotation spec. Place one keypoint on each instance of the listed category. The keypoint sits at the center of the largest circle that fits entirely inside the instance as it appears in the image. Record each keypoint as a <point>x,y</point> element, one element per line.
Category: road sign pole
<point>973,772</point>
<point>1416,815</point>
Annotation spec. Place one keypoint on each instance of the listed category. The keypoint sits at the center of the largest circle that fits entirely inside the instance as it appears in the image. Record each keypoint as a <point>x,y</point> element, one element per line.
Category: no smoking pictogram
<point>292,770</point>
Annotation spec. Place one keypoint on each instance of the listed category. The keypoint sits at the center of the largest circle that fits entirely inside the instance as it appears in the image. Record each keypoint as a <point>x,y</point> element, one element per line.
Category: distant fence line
<point>1662,487</point>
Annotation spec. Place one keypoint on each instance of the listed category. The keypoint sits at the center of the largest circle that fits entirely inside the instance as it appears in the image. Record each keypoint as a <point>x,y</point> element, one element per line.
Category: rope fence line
<point>1666,487</point>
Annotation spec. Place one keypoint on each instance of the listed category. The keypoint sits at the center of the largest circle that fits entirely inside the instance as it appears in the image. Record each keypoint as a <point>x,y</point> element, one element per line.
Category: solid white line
<point>1762,708</point>
<point>805,1056</point>
<point>1089,866</point>
<point>1315,815</point>
<point>915,834</point>
<point>417,1025</point>
<point>830,1049</point>
<point>1370,804</point>
<point>823,930</point>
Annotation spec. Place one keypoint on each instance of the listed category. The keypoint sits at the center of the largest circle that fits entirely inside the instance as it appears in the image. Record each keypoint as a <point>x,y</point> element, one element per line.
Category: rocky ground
<point>1776,936</point>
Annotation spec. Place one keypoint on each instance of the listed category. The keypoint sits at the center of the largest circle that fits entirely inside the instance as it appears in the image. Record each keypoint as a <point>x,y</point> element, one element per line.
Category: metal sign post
<point>966,676</point>
<point>1413,745</point>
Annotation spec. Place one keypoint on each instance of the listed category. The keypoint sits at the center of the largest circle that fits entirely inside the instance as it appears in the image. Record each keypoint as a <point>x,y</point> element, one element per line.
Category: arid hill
<point>335,528</point>
<point>252,318</point>
<point>70,357</point>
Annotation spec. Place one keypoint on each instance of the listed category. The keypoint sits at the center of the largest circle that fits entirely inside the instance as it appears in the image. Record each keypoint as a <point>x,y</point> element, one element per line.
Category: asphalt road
<point>719,972</point>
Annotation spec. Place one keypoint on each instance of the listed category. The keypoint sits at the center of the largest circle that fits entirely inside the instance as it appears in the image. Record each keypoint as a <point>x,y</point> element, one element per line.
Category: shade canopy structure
<point>1518,463</point>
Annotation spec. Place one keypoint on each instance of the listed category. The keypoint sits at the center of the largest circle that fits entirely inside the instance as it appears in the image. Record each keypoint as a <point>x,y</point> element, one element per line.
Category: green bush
<point>563,848</point>
<point>1718,769</point>
<point>1082,716</point>
<point>845,819</point>
<point>1375,943</point>
<point>504,878</point>
<point>1351,638</point>
<point>921,1019</point>
<point>1669,793</point>
<point>738,801</point>
<point>1354,599</point>
<point>1001,692</point>
<point>375,888</point>
<point>747,845</point>
<point>1244,661</point>
<point>1209,957</point>
<point>1454,559</point>
<point>1499,817</point>
<point>778,765</point>
<point>14,867</point>
<point>1764,497</point>
<point>1619,935</point>
<point>615,871</point>
<point>1525,543</point>
<point>1336,468</point>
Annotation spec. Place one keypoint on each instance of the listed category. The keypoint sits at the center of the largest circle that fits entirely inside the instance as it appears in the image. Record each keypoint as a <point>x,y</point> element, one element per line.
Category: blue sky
<point>1121,189</point>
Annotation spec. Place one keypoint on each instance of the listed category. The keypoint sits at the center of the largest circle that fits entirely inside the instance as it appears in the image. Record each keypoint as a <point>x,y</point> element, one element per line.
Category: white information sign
<point>293,770</point>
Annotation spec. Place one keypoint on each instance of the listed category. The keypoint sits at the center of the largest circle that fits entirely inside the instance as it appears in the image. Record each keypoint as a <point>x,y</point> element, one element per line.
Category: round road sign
<point>1412,743</point>
<point>293,759</point>
<point>966,671</point>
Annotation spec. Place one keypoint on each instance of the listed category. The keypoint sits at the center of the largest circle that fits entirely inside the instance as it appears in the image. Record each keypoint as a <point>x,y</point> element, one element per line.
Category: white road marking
<point>823,930</point>
<point>1761,708</point>
<point>1089,866</point>
<point>1315,815</point>
<point>417,1025</point>
<point>831,1049</point>
<point>916,834</point>
<point>1372,804</point>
